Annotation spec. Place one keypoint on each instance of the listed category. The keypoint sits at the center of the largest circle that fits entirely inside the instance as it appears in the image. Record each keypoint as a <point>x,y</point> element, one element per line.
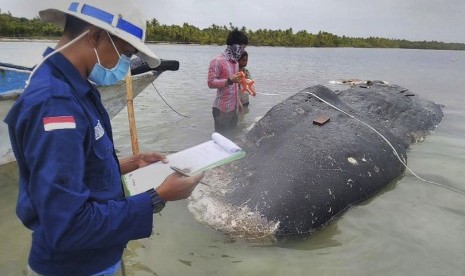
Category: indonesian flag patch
<point>59,122</point>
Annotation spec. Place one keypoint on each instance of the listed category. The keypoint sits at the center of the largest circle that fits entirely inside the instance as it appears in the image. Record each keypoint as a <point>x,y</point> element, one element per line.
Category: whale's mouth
<point>209,207</point>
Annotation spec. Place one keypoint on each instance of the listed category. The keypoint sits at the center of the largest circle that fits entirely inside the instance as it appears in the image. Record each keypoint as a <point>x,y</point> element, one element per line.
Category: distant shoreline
<point>19,29</point>
<point>55,40</point>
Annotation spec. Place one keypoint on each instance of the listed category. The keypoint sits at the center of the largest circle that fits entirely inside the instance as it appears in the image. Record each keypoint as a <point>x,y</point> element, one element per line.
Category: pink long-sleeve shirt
<point>219,71</point>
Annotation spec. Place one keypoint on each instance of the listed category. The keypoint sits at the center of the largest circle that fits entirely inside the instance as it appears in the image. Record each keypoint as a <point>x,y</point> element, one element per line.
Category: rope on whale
<point>402,161</point>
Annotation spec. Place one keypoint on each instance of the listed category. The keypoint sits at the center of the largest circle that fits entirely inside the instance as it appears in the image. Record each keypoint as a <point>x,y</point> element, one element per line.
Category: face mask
<point>235,51</point>
<point>104,76</point>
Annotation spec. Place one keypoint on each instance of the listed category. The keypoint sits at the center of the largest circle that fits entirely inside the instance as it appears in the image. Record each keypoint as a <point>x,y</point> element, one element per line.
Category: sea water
<point>410,228</point>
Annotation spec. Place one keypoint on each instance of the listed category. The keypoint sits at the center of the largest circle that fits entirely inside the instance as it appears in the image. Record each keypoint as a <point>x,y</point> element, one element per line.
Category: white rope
<point>267,94</point>
<point>402,161</point>
<point>14,69</point>
<point>52,53</point>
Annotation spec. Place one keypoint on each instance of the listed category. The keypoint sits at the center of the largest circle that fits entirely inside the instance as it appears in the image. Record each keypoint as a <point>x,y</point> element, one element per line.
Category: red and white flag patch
<point>59,122</point>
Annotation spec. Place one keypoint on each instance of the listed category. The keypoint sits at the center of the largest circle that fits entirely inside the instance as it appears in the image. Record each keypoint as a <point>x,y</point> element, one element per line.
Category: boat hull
<point>113,97</point>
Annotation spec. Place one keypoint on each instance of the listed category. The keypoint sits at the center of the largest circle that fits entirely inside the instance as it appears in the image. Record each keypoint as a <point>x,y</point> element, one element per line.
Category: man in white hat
<point>70,192</point>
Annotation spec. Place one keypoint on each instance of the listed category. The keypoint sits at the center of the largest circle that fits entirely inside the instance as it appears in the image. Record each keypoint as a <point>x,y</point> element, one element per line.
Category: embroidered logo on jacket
<point>59,122</point>
<point>98,130</point>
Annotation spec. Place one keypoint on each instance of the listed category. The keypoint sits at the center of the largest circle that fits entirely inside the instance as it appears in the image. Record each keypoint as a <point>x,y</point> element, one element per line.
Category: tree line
<point>15,27</point>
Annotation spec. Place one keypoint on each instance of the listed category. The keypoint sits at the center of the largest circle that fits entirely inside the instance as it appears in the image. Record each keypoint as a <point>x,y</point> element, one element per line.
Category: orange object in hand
<point>246,84</point>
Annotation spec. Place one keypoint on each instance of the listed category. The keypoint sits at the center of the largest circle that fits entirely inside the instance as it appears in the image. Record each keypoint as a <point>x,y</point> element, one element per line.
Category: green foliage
<point>285,38</point>
<point>11,26</point>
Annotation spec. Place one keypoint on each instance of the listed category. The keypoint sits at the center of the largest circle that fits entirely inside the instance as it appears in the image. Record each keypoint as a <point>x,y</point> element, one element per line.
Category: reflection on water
<point>411,228</point>
<point>322,239</point>
<point>131,263</point>
<point>15,238</point>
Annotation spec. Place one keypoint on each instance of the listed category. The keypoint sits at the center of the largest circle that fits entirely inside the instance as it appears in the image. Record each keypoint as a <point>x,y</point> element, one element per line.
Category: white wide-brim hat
<point>121,18</point>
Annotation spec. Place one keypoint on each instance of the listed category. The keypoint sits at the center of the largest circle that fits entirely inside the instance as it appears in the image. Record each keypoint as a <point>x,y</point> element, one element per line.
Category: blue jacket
<point>70,191</point>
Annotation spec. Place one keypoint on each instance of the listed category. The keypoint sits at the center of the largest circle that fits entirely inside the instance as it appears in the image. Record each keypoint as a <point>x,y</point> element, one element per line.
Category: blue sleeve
<point>69,217</point>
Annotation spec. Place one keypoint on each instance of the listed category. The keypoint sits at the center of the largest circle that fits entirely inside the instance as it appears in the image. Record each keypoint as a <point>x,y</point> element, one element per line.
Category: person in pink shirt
<point>223,76</point>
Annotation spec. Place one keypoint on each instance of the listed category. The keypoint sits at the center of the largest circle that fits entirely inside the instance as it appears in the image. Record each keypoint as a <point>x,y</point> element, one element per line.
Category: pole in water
<point>131,118</point>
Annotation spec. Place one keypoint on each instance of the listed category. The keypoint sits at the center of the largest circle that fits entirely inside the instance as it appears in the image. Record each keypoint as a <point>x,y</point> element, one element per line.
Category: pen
<point>178,170</point>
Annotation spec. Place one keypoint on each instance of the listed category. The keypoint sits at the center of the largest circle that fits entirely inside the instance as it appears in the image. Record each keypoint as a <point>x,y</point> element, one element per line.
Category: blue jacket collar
<point>67,69</point>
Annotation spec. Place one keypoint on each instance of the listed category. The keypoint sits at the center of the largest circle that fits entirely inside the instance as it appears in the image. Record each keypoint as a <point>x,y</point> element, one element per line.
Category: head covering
<point>234,52</point>
<point>121,18</point>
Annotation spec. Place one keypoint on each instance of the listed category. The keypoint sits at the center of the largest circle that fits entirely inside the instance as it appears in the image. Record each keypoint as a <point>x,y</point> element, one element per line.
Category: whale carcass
<point>298,175</point>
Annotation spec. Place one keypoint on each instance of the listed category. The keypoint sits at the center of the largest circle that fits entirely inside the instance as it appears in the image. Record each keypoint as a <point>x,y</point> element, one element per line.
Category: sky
<point>416,20</point>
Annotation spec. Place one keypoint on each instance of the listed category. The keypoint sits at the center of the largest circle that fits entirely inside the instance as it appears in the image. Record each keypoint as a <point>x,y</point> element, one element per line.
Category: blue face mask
<point>104,76</point>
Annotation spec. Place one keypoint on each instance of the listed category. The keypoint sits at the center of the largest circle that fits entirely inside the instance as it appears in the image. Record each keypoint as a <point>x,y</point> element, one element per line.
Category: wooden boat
<point>13,77</point>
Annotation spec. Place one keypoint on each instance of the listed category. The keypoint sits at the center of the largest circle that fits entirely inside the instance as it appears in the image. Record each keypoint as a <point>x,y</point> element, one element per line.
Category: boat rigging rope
<point>15,69</point>
<point>185,116</point>
<point>402,161</point>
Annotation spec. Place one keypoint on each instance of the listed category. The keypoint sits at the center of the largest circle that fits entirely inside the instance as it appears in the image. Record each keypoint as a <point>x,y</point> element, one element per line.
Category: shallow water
<point>411,228</point>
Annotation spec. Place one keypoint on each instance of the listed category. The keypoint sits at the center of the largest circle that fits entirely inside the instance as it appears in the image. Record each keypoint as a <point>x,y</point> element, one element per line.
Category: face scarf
<point>104,76</point>
<point>234,52</point>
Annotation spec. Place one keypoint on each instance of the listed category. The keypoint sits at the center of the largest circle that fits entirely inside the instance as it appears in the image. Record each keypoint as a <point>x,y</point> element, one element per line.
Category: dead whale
<point>300,173</point>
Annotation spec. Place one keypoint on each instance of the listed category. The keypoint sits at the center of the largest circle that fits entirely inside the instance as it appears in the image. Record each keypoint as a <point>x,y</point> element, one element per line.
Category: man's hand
<point>131,163</point>
<point>176,186</point>
<point>235,77</point>
<point>148,158</point>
